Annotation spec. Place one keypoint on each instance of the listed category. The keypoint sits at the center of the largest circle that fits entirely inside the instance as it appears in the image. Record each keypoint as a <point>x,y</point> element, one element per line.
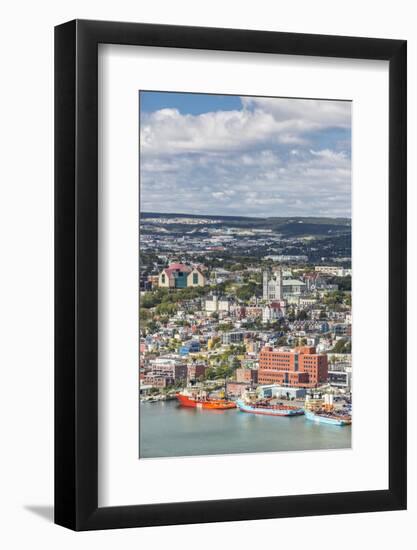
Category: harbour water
<point>168,430</point>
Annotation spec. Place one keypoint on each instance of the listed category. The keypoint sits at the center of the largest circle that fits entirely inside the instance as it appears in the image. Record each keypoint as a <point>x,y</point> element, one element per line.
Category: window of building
<point>163,279</point>
<point>195,278</point>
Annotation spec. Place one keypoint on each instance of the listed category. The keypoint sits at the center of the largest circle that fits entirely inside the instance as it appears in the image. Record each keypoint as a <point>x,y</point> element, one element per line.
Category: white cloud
<point>170,132</point>
<point>245,163</point>
<point>262,119</point>
<point>327,154</point>
<point>313,184</point>
<point>304,113</point>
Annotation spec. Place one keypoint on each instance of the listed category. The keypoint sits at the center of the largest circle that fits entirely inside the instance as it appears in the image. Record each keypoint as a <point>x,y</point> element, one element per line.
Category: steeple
<point>265,280</point>
<point>278,284</point>
<point>272,285</point>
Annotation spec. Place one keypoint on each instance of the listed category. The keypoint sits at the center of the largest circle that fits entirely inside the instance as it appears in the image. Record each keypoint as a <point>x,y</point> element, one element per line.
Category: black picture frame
<point>76,272</point>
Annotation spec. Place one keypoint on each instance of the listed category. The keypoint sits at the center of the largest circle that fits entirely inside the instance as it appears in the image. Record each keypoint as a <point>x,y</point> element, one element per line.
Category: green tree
<point>152,327</point>
<point>247,291</point>
<point>165,308</point>
<point>342,346</point>
<point>302,315</point>
<point>224,327</point>
<point>211,373</point>
<point>144,314</point>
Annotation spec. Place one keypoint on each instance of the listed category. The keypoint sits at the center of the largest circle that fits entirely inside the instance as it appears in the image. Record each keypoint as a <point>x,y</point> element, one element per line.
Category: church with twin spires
<point>272,285</point>
<point>273,295</point>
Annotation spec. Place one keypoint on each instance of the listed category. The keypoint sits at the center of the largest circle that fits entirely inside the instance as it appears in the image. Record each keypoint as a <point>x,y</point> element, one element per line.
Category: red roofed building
<point>179,267</point>
<point>179,275</point>
<point>273,311</point>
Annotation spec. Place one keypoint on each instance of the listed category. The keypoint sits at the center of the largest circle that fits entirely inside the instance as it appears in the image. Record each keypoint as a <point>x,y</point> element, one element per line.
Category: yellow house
<point>195,278</point>
<point>179,275</point>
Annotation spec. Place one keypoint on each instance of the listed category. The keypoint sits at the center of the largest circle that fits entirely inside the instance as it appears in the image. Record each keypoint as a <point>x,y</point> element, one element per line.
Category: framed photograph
<point>230,244</point>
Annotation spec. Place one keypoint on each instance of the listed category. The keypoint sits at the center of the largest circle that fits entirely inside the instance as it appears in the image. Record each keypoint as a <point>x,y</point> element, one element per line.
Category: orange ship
<point>201,401</point>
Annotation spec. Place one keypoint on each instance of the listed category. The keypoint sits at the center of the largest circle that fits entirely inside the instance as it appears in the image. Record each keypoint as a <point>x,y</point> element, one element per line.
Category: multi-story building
<point>196,371</point>
<point>273,390</point>
<point>239,312</point>
<point>307,301</point>
<point>156,381</point>
<point>292,287</point>
<point>250,376</point>
<point>216,303</point>
<point>341,378</point>
<point>196,278</point>
<point>333,270</point>
<point>273,311</point>
<point>193,346</point>
<point>272,285</point>
<point>181,276</point>
<point>232,337</point>
<point>276,289</point>
<point>301,367</point>
<point>168,368</point>
<point>253,312</point>
<point>235,389</point>
<point>342,329</point>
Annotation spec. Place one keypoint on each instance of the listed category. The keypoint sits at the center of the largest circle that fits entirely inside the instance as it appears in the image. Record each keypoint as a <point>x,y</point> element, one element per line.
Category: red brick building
<point>247,375</point>
<point>195,371</point>
<point>157,381</point>
<point>301,367</point>
<point>169,369</point>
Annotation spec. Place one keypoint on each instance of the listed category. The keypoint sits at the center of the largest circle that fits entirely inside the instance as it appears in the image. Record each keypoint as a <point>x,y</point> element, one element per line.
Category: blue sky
<point>249,156</point>
<point>192,104</point>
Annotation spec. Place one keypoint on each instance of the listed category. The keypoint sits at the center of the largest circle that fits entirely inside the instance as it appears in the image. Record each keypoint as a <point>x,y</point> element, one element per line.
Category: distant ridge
<point>284,219</point>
